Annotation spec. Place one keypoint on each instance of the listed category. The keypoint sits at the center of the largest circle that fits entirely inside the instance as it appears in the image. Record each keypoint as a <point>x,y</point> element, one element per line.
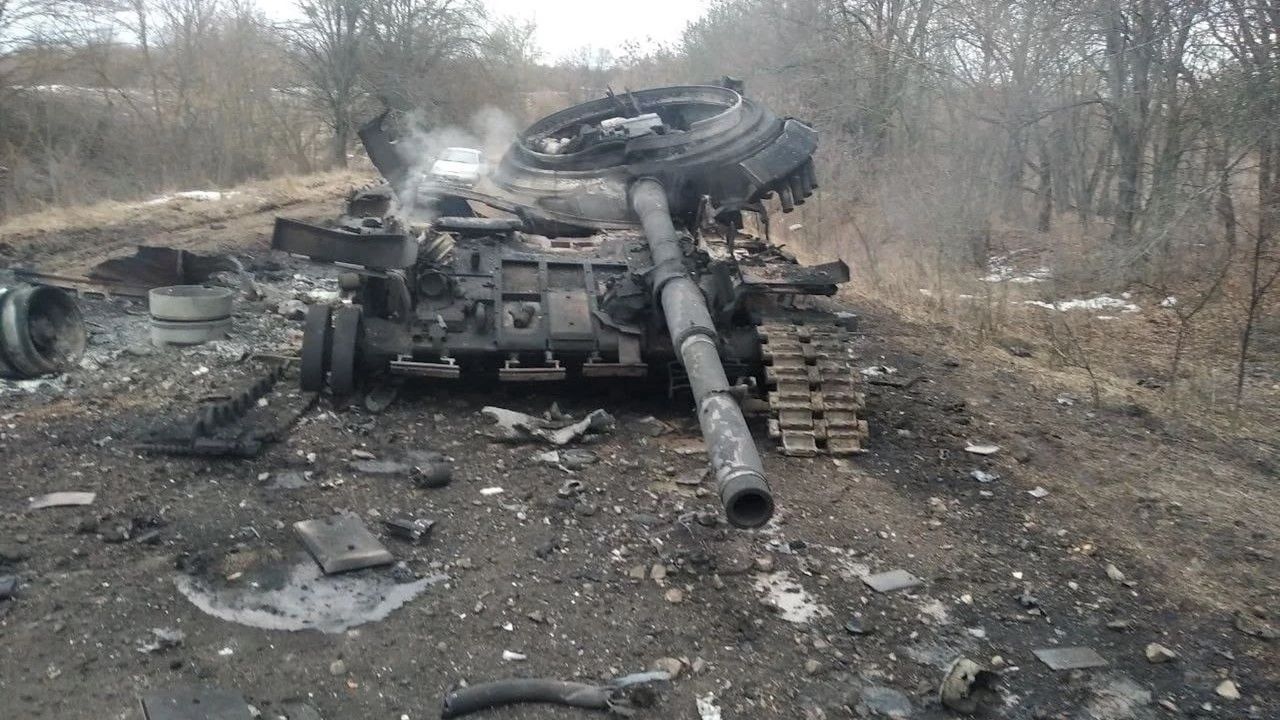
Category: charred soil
<point>1106,527</point>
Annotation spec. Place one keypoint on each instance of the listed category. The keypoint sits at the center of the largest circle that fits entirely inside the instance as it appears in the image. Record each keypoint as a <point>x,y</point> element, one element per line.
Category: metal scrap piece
<point>237,426</point>
<point>516,426</point>
<point>341,543</point>
<point>892,580</point>
<point>413,531</point>
<point>62,499</point>
<point>382,251</point>
<point>1070,658</point>
<point>205,703</point>
<point>968,686</point>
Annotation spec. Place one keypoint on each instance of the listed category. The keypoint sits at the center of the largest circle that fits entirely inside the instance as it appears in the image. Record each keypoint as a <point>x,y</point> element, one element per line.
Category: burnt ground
<point>1187,519</point>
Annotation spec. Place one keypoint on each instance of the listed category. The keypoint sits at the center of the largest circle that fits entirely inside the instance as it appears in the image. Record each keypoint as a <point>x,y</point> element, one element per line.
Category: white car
<point>459,166</point>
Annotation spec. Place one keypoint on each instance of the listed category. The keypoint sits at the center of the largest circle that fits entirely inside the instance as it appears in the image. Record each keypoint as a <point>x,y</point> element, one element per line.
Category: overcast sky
<point>566,25</point>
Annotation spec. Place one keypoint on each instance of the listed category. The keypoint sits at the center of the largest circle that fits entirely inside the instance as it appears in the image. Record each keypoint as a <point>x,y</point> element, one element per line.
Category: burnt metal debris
<point>622,238</point>
<point>968,687</point>
<point>189,314</point>
<point>341,543</point>
<point>133,276</point>
<point>41,331</point>
<point>238,426</point>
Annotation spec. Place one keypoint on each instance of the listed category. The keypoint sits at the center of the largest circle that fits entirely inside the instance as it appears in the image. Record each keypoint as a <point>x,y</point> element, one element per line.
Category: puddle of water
<point>301,597</point>
<point>793,602</point>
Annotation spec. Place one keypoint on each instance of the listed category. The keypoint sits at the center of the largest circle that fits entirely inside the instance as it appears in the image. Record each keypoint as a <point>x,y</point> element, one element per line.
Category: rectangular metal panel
<point>570,315</point>
<point>565,276</point>
<point>519,278</point>
<point>341,543</point>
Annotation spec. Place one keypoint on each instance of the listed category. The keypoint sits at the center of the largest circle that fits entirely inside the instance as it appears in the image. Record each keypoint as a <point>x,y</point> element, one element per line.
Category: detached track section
<point>241,426</point>
<point>816,403</point>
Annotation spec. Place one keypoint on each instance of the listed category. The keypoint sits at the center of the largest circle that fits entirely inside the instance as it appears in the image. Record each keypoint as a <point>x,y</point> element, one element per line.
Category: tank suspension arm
<point>744,493</point>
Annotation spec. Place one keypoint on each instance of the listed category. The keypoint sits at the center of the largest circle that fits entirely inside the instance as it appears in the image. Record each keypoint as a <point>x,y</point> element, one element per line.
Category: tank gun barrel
<point>744,492</point>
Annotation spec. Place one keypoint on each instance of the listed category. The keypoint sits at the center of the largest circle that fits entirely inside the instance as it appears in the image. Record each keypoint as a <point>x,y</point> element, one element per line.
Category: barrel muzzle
<point>747,500</point>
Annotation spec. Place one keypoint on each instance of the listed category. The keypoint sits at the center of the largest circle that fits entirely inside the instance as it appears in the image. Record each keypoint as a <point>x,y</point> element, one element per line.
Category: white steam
<point>489,130</point>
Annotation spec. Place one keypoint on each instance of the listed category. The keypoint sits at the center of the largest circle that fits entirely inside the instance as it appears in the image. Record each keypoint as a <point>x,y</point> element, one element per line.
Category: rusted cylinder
<point>744,493</point>
<point>41,331</point>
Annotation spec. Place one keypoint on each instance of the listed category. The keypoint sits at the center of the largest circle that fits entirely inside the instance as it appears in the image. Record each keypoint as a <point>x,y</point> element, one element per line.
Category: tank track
<point>816,404</point>
<point>237,427</point>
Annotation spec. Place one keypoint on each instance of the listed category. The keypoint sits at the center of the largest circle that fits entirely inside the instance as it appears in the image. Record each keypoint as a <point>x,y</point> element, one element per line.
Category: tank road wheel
<point>348,337</point>
<point>317,344</point>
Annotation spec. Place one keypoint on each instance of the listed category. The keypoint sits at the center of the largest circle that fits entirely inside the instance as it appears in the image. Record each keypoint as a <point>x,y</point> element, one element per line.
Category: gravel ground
<point>1105,528</point>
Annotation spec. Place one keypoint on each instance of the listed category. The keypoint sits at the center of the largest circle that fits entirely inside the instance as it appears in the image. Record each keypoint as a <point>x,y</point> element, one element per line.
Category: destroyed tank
<point>621,238</point>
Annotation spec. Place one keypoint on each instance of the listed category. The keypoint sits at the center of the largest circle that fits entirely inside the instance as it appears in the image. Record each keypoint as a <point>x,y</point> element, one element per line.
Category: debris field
<point>1086,562</point>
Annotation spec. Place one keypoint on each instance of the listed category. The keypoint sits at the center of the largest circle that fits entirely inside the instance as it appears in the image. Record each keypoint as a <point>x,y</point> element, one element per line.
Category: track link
<point>236,427</point>
<point>816,404</point>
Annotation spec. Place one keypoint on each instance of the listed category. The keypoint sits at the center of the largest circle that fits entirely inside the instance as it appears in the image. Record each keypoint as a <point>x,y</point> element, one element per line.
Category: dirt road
<point>1101,527</point>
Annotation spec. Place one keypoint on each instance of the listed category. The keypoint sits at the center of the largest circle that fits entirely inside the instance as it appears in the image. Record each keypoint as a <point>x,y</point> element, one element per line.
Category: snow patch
<point>57,88</point>
<point>936,611</point>
<point>999,270</point>
<point>1101,302</point>
<point>793,602</point>
<point>199,195</point>
<point>878,371</point>
<point>707,708</point>
<point>52,385</point>
<point>321,297</point>
<point>847,564</point>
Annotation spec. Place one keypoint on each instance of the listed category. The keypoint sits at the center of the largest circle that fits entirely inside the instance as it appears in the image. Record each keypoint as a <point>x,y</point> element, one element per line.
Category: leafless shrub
<point>1071,348</point>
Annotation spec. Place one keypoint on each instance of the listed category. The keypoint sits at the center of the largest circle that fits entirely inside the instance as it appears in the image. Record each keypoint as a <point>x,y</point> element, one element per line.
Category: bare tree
<point>410,41</point>
<point>327,45</point>
<point>1251,33</point>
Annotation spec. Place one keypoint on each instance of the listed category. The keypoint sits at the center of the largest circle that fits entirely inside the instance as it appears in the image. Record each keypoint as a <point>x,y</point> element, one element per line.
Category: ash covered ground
<point>1107,528</point>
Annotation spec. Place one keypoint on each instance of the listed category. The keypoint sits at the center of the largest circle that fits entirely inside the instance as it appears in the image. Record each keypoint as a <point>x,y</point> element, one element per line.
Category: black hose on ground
<point>474,698</point>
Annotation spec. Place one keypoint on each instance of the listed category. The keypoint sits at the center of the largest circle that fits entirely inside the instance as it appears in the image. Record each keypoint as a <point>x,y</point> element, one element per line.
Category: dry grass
<point>1123,358</point>
<point>252,197</point>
